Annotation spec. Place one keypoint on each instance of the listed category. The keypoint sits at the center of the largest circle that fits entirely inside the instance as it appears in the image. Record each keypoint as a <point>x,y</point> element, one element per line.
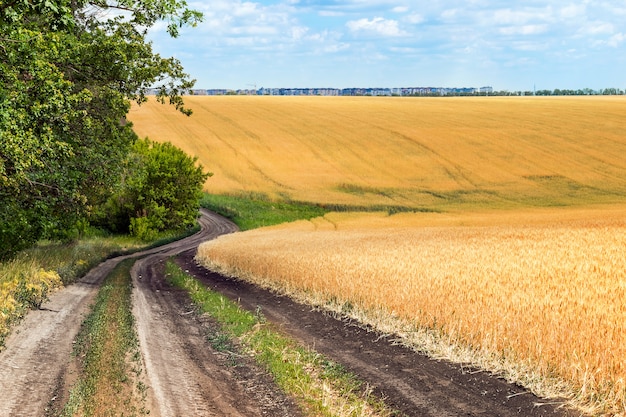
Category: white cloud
<point>159,26</point>
<point>517,17</point>
<point>379,25</point>
<point>246,9</point>
<point>415,19</point>
<point>449,14</point>
<point>573,11</point>
<point>298,32</point>
<point>324,42</point>
<point>528,46</point>
<point>599,28</point>
<point>613,8</point>
<point>400,9</point>
<point>254,30</point>
<point>330,13</point>
<point>616,40</point>
<point>404,50</point>
<point>524,30</point>
<point>333,48</point>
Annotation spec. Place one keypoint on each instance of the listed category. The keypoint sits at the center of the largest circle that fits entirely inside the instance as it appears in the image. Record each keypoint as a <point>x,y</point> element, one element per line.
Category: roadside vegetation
<point>28,279</point>
<point>68,156</point>
<point>107,351</point>
<point>252,210</point>
<point>320,386</point>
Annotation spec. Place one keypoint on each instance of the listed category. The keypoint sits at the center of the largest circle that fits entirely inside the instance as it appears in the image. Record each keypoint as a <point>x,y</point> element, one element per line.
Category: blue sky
<point>510,45</point>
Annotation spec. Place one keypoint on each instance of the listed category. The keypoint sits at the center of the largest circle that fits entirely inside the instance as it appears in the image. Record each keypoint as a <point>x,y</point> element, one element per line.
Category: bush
<point>161,190</point>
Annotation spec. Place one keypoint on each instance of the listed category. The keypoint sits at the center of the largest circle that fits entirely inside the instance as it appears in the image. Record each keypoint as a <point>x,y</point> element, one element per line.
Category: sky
<point>509,45</point>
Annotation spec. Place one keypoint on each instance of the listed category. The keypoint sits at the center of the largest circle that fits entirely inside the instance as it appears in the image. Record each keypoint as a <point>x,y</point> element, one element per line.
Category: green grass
<point>253,210</point>
<point>107,382</point>
<point>320,386</point>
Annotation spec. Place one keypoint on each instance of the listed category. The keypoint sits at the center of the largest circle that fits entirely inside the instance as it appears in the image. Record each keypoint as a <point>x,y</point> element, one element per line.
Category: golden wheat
<point>23,284</point>
<point>420,152</point>
<point>549,295</point>
<point>537,291</point>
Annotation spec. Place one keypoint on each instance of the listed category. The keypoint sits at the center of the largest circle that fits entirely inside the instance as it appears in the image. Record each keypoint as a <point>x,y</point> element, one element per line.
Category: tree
<point>68,71</point>
<point>161,190</point>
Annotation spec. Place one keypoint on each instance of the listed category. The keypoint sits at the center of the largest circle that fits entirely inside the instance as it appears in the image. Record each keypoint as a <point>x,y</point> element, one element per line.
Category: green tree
<point>67,76</point>
<point>161,191</point>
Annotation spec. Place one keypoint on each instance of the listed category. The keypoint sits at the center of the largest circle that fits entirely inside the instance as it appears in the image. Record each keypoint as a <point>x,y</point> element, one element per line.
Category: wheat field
<point>433,153</point>
<point>520,266</point>
<point>539,298</point>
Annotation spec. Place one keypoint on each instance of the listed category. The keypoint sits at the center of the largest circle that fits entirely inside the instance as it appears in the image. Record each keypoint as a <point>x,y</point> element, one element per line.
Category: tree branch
<point>40,184</point>
<point>104,5</point>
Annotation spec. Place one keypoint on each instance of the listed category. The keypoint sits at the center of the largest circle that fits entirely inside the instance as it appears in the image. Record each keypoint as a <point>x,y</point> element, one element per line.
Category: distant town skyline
<point>397,91</point>
<point>385,43</point>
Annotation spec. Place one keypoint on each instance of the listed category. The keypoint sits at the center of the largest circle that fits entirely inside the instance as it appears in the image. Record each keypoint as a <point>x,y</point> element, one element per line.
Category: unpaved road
<point>37,353</point>
<point>186,377</point>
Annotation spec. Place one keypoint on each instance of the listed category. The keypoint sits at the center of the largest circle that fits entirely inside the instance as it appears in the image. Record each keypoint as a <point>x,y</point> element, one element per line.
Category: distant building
<point>355,91</point>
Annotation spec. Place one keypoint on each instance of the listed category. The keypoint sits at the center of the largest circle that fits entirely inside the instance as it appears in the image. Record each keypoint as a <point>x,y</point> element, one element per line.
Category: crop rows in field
<point>537,301</point>
<point>415,152</point>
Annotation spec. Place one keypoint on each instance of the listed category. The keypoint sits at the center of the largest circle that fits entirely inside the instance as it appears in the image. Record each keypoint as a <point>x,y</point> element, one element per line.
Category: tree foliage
<point>68,71</point>
<point>161,189</point>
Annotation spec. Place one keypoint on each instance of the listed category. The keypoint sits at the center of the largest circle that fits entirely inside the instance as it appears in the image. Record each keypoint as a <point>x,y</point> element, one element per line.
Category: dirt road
<point>186,377</point>
<point>37,353</point>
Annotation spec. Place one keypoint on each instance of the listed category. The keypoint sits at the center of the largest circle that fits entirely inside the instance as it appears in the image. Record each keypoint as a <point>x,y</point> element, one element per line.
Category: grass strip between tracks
<point>107,349</point>
<point>320,386</point>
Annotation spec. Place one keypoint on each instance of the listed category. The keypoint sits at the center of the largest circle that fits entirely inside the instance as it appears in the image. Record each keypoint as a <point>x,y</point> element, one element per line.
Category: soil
<point>187,376</point>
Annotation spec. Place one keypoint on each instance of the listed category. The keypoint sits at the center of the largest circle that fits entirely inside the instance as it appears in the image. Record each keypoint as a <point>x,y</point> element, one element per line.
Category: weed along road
<point>186,376</point>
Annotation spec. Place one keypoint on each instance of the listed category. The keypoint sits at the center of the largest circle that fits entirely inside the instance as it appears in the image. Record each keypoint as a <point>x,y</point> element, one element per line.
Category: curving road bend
<point>181,371</point>
<point>37,355</point>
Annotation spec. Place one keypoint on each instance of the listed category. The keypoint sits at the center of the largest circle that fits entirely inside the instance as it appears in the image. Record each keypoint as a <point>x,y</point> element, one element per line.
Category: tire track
<point>184,374</point>
<point>36,360</point>
<point>38,351</point>
<point>408,381</point>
